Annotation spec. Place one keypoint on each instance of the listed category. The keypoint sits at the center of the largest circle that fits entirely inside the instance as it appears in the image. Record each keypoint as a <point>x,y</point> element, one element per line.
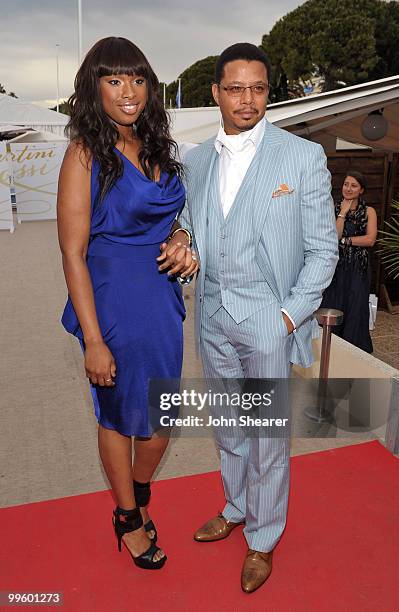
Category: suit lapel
<point>214,190</point>
<point>271,156</point>
<point>200,197</point>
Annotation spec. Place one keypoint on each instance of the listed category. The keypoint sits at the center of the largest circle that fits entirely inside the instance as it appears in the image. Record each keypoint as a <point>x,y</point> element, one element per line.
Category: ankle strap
<point>129,520</point>
<point>142,492</point>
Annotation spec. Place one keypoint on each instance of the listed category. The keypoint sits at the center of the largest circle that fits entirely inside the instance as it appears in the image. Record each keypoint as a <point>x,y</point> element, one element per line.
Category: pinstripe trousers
<point>255,469</point>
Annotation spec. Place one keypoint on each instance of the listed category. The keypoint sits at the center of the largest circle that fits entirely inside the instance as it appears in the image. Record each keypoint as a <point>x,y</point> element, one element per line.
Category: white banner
<point>6,220</point>
<point>36,167</point>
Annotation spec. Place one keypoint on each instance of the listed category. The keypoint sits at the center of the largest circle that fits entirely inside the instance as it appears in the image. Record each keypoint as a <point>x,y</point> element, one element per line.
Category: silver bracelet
<point>182,229</point>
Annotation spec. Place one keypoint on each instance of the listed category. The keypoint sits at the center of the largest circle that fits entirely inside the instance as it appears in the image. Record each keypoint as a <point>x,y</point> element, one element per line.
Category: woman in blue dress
<point>119,193</point>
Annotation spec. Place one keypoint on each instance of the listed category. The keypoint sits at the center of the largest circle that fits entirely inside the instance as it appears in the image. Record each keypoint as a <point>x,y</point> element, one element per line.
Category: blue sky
<point>172,33</point>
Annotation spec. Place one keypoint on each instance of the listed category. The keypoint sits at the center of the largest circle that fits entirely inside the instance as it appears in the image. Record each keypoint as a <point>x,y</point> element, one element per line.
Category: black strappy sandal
<point>142,494</point>
<point>125,521</point>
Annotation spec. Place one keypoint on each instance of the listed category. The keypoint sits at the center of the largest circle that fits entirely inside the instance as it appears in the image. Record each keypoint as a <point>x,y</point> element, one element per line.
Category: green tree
<point>390,243</point>
<point>386,40</point>
<point>196,83</point>
<point>63,108</point>
<point>340,42</point>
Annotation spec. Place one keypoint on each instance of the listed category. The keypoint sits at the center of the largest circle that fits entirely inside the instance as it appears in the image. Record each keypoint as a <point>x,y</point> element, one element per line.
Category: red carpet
<point>340,550</point>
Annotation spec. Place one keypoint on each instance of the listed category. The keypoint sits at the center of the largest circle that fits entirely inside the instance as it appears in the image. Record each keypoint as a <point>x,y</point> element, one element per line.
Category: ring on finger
<point>108,379</point>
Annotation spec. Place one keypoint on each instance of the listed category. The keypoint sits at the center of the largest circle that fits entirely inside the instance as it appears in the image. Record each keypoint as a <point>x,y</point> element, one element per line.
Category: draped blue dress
<point>140,310</point>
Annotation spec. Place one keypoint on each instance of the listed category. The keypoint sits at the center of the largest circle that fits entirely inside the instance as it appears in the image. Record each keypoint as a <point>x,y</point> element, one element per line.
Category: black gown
<point>350,286</point>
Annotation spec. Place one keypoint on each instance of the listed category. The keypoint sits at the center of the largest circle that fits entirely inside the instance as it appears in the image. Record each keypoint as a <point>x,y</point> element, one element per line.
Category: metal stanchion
<point>328,318</point>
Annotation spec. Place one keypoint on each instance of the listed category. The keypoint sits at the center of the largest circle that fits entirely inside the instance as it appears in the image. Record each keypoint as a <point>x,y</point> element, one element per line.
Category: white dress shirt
<point>235,155</point>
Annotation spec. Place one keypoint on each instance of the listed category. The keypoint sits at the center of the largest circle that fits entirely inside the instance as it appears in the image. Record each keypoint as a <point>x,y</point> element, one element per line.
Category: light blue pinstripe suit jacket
<point>297,246</point>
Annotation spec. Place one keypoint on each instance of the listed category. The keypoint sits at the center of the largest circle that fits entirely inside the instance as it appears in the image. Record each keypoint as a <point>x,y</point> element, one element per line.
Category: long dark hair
<point>93,129</point>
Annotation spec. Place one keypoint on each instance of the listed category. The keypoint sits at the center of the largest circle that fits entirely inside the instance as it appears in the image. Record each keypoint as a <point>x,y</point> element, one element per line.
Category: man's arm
<point>184,219</point>
<point>320,241</point>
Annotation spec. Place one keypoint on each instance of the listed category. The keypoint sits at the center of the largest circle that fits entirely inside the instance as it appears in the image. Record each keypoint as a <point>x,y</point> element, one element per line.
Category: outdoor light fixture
<point>375,126</point>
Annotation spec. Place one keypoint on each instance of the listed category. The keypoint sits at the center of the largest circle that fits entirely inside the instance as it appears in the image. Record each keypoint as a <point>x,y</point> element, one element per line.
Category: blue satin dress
<point>140,310</point>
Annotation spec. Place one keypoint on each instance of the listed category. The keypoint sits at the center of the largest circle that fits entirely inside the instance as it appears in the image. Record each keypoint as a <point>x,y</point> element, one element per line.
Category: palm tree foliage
<point>390,243</point>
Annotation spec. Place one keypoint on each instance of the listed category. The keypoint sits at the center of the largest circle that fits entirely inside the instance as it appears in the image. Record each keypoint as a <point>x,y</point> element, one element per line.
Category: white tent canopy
<point>338,113</point>
<point>24,114</point>
<point>37,136</point>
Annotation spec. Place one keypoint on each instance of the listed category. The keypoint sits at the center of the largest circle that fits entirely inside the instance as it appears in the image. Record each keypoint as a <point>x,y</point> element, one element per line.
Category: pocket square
<point>282,190</point>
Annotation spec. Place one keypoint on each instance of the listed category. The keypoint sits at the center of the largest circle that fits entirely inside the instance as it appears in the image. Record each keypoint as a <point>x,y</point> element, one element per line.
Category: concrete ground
<point>385,338</point>
<point>48,446</point>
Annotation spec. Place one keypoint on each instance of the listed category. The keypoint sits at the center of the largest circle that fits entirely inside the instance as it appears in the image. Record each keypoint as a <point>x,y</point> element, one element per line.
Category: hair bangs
<point>120,56</point>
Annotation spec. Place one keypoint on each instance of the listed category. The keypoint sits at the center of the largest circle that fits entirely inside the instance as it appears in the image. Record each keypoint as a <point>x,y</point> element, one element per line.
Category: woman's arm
<point>73,215</point>
<point>370,237</point>
<point>345,207</point>
<point>176,253</point>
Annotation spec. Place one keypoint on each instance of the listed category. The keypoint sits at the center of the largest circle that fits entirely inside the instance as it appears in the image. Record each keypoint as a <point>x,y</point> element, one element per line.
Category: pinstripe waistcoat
<point>233,278</point>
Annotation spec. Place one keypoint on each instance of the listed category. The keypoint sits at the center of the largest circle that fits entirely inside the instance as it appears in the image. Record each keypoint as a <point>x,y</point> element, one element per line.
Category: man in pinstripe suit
<point>260,212</point>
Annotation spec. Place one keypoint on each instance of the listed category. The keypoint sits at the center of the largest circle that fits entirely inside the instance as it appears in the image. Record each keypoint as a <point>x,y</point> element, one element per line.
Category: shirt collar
<point>238,142</point>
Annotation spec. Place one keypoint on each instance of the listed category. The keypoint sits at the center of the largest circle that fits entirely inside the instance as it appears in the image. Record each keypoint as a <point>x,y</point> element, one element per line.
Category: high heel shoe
<point>131,521</point>
<point>142,494</point>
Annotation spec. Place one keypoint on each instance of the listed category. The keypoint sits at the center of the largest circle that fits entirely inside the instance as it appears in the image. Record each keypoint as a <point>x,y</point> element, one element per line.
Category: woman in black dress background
<point>350,287</point>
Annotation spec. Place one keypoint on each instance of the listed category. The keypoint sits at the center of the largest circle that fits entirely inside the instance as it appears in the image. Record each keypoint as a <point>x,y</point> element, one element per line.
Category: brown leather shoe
<point>256,570</point>
<point>215,529</point>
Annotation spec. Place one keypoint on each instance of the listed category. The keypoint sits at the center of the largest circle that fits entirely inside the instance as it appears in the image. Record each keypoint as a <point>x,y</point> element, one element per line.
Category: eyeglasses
<point>236,91</point>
